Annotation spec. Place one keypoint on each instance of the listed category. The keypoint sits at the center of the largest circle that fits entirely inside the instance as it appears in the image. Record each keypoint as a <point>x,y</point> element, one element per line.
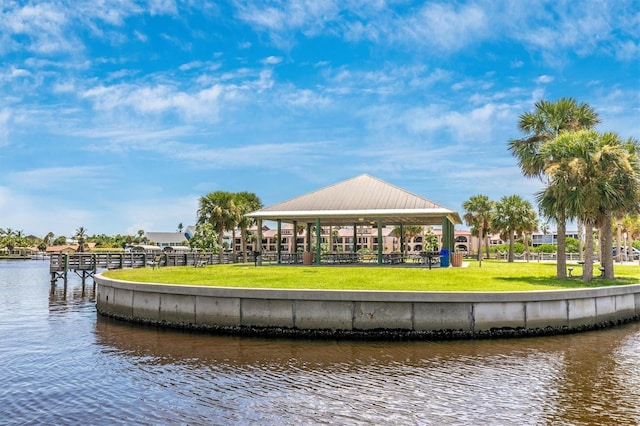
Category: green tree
<point>80,236</point>
<point>479,214</point>
<point>430,241</point>
<point>247,202</point>
<point>218,209</point>
<point>48,239</point>
<point>205,238</point>
<point>599,177</point>
<point>409,231</point>
<point>543,125</point>
<point>512,215</point>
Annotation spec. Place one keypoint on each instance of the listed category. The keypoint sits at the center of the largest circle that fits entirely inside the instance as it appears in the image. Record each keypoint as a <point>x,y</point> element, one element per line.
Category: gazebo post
<point>318,240</point>
<point>259,244</point>
<point>379,223</point>
<point>447,234</point>
<point>355,237</point>
<point>402,241</point>
<point>308,237</point>
<point>293,246</point>
<point>279,240</point>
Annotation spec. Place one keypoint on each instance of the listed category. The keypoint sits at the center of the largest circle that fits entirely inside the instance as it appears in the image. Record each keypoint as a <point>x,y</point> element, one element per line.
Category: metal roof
<point>362,199</point>
<point>166,237</point>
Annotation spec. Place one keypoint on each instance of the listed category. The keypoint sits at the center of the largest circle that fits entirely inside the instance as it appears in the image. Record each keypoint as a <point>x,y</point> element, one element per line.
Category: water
<point>62,364</point>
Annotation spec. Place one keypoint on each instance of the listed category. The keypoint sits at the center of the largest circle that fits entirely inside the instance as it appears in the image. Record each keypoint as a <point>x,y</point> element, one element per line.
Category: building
<point>539,239</point>
<point>167,239</point>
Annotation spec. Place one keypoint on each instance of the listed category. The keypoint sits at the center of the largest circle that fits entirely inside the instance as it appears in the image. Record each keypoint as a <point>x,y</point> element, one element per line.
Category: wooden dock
<point>86,265</point>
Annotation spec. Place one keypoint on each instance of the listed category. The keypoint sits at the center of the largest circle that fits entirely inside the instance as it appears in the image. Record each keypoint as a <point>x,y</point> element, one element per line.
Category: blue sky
<point>119,115</point>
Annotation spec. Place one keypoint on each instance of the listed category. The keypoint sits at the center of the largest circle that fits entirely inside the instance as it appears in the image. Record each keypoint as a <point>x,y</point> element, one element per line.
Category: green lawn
<point>492,276</point>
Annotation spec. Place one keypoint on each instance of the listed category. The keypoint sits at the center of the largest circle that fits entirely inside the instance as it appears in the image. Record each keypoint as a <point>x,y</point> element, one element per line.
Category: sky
<point>118,115</point>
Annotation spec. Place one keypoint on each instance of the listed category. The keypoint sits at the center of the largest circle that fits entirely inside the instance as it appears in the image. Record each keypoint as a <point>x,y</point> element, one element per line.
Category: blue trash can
<point>444,258</point>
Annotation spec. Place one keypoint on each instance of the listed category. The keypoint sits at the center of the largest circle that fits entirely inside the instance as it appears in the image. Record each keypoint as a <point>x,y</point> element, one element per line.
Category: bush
<point>546,248</point>
<point>518,248</point>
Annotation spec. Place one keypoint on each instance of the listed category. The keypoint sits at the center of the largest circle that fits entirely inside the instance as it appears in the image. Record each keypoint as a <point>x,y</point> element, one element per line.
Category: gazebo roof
<point>362,199</point>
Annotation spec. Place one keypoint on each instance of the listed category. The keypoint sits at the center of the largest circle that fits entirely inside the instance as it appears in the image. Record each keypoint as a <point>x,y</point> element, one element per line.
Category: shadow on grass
<point>570,283</point>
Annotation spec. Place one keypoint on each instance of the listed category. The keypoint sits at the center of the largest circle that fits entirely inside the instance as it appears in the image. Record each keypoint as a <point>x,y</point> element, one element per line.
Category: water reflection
<point>63,364</point>
<point>563,379</point>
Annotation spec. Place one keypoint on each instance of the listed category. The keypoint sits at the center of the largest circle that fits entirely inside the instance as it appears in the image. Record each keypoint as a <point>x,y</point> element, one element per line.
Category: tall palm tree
<point>217,208</point>
<point>246,202</point>
<point>543,125</point>
<point>512,215</point>
<point>528,225</point>
<point>48,239</point>
<point>80,236</point>
<point>479,213</point>
<point>597,177</point>
<point>631,226</point>
<point>409,232</point>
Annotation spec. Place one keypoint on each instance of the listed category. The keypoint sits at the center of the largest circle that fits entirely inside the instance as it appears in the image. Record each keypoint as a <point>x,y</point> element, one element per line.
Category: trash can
<point>444,258</point>
<point>307,258</point>
<point>456,260</point>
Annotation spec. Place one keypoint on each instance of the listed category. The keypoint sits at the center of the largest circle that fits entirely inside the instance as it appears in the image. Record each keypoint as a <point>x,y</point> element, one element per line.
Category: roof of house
<point>362,199</point>
<point>166,237</point>
<point>54,249</point>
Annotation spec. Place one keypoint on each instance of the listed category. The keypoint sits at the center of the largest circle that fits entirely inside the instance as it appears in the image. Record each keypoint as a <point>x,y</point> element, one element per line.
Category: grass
<point>492,276</point>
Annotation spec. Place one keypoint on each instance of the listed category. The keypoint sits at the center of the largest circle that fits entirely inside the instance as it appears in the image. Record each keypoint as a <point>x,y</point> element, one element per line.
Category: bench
<point>155,262</point>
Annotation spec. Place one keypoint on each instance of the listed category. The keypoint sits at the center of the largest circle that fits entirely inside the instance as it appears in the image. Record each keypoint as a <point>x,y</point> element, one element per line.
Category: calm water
<point>62,364</point>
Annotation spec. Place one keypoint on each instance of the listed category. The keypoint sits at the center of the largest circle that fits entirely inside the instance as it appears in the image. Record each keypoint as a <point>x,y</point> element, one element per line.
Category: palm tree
<point>631,226</point>
<point>479,213</point>
<point>217,208</point>
<point>512,215</point>
<point>246,202</point>
<point>48,239</point>
<point>597,177</point>
<point>543,125</point>
<point>409,231</point>
<point>80,236</point>
<point>528,225</point>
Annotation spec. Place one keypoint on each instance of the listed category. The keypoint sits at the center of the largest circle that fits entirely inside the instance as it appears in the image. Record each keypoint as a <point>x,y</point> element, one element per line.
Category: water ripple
<point>61,364</point>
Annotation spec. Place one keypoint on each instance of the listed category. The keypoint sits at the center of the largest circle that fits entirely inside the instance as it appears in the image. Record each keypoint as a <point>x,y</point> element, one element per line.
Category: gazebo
<point>362,200</point>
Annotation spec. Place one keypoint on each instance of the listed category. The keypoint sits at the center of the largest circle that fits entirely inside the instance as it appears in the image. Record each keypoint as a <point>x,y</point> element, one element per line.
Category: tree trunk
<point>580,240</point>
<point>243,242</point>
<point>233,243</point>
<point>619,246</point>
<point>561,261</point>
<point>606,246</point>
<point>480,250</point>
<point>220,248</point>
<point>587,273</point>
<point>486,246</point>
<point>511,246</point>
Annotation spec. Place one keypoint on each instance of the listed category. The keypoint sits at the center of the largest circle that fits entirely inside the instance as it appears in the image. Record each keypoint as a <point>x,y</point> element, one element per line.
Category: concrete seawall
<point>367,313</point>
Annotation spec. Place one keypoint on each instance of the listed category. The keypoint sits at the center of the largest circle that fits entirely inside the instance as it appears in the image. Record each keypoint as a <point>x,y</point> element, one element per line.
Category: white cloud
<point>306,98</point>
<point>307,16</point>
<point>258,155</point>
<point>59,176</point>
<point>474,126</point>
<point>158,99</point>
<point>544,79</point>
<point>272,60</point>
<point>445,27</point>
<point>5,117</point>
<point>39,28</point>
